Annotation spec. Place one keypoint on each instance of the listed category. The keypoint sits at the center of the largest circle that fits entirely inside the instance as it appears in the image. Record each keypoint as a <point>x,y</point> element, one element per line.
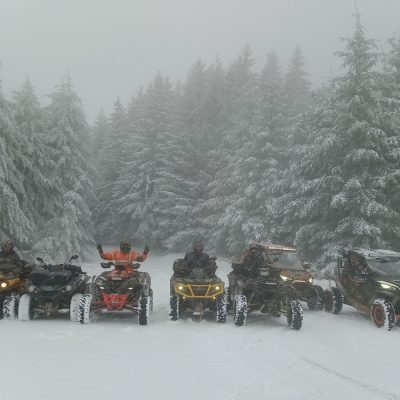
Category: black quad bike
<point>53,288</point>
<point>269,292</point>
<point>194,291</point>
<point>297,273</point>
<point>368,280</point>
<point>115,291</point>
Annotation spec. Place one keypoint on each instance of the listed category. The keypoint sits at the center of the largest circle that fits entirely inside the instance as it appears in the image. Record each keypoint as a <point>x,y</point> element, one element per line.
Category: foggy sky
<point>111,48</point>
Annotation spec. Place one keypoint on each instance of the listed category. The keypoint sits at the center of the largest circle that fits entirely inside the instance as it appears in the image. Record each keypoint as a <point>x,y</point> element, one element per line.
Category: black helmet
<point>125,246</point>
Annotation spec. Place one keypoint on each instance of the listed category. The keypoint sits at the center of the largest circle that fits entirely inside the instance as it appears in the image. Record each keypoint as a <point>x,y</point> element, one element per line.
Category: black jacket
<point>196,260</point>
<point>11,261</point>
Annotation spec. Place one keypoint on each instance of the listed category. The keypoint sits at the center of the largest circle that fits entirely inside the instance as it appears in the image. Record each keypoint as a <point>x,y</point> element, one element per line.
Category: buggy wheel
<point>25,308</point>
<point>74,307</point>
<point>10,306</point>
<point>316,300</point>
<point>174,308</point>
<point>221,309</point>
<point>333,300</point>
<point>144,310</point>
<point>83,303</point>
<point>240,310</point>
<point>383,314</point>
<point>294,315</point>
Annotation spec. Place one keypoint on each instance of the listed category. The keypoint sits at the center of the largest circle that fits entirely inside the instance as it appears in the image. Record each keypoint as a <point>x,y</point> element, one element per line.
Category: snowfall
<point>332,357</point>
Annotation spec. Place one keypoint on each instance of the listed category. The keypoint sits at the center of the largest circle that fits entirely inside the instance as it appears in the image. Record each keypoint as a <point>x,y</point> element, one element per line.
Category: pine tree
<point>71,230</point>
<point>14,223</point>
<point>342,181</point>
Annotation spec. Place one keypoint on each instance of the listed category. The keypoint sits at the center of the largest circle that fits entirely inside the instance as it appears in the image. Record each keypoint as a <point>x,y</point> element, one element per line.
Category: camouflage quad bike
<point>194,291</point>
<point>117,290</point>
<point>55,287</point>
<point>375,292</point>
<point>271,292</point>
<point>297,273</point>
<point>12,284</point>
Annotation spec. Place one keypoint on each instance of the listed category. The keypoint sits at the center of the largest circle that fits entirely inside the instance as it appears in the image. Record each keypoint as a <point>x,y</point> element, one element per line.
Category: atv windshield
<point>288,260</point>
<point>385,266</point>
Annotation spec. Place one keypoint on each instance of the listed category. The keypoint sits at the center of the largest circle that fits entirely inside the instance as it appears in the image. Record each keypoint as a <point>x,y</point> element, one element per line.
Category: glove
<point>139,258</point>
<point>99,248</point>
<point>146,249</point>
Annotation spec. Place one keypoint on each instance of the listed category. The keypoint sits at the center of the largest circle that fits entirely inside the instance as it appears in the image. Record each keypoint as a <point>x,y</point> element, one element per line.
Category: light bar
<point>278,247</point>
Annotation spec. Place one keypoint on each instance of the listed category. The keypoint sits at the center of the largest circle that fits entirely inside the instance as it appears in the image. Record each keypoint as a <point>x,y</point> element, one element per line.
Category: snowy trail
<point>333,356</point>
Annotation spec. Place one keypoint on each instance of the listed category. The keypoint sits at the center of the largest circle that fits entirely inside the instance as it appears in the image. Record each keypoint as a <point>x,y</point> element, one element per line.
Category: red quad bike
<point>115,291</point>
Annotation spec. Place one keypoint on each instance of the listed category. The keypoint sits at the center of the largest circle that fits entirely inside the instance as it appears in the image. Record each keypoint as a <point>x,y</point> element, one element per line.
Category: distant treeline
<point>230,155</point>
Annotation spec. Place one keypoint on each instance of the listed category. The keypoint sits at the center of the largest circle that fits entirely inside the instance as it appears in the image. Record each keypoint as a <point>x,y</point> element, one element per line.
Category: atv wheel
<point>83,303</point>
<point>240,310</point>
<point>151,301</point>
<point>10,306</point>
<point>294,314</point>
<point>229,304</point>
<point>25,308</point>
<point>74,307</point>
<point>317,299</point>
<point>144,310</point>
<point>221,309</point>
<point>174,308</point>
<point>333,300</point>
<point>383,314</point>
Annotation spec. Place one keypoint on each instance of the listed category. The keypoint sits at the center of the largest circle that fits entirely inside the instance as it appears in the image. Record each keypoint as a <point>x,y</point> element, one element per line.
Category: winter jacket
<point>251,264</point>
<point>125,259</point>
<point>12,262</point>
<point>196,260</point>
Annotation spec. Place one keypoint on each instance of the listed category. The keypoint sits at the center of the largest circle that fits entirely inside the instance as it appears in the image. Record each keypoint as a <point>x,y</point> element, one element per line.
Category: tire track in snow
<point>370,388</point>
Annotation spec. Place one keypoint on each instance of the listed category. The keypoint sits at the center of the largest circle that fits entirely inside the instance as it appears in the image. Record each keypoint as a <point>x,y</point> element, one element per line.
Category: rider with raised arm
<point>124,256</point>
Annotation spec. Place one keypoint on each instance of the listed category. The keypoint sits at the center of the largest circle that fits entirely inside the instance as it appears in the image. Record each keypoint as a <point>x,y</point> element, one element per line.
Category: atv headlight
<point>387,285</point>
<point>182,289</point>
<point>31,288</point>
<point>217,289</point>
<point>310,280</point>
<point>3,284</point>
<point>284,278</point>
<point>68,288</point>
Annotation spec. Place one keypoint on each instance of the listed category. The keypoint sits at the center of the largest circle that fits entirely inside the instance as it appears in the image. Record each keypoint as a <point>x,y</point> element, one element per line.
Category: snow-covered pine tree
<point>14,223</point>
<point>153,189</point>
<point>114,152</point>
<point>36,165</point>
<point>71,230</point>
<point>341,196</point>
<point>224,218</point>
<point>296,85</point>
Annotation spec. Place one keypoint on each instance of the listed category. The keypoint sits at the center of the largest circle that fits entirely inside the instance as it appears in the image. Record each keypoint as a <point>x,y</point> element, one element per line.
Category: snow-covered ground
<point>331,357</point>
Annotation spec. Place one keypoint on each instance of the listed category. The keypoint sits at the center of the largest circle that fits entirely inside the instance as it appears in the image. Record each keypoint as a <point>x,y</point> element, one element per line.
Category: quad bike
<point>196,292</point>
<point>268,292</point>
<point>117,290</point>
<point>375,291</point>
<point>11,287</point>
<point>53,288</point>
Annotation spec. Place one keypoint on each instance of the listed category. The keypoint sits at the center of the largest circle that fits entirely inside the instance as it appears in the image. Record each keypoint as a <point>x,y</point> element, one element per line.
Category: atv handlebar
<point>118,266</point>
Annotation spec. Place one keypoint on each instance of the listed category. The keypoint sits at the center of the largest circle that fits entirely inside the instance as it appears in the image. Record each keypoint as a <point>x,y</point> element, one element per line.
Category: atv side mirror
<point>306,266</point>
<point>40,259</point>
<point>74,257</point>
<point>136,266</point>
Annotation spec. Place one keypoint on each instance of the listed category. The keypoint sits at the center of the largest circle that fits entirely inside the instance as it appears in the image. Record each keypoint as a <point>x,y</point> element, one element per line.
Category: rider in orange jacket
<point>124,256</point>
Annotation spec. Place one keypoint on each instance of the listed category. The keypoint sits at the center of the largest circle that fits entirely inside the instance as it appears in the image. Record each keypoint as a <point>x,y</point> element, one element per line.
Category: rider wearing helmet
<point>125,255</point>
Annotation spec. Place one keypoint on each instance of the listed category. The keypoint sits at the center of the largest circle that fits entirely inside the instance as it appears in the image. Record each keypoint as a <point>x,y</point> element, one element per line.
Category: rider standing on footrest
<point>124,256</point>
